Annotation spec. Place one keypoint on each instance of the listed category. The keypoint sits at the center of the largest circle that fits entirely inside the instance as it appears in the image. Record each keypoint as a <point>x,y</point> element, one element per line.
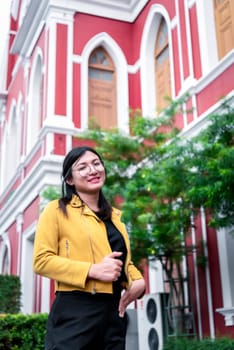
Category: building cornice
<point>38,10</point>
<point>46,172</point>
<point>123,10</point>
<point>33,20</point>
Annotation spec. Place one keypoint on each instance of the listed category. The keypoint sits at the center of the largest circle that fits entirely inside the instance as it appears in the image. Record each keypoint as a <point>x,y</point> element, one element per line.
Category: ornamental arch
<point>118,61</point>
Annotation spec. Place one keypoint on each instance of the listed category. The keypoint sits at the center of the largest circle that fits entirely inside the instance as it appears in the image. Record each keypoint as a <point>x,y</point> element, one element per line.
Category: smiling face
<point>88,174</point>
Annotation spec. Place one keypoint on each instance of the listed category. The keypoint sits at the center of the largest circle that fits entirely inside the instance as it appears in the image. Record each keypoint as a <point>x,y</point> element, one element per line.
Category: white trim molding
<point>147,58</point>
<point>225,240</point>
<point>228,314</point>
<point>27,274</point>
<point>5,248</point>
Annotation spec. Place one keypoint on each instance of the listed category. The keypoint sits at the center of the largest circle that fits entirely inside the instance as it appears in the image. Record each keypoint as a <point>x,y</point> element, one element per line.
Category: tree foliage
<point>212,161</point>
<point>160,179</point>
<point>10,294</point>
<point>163,178</point>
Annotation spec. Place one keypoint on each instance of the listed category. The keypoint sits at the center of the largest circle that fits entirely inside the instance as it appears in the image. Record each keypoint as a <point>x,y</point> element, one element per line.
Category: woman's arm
<point>135,291</point>
<point>46,259</point>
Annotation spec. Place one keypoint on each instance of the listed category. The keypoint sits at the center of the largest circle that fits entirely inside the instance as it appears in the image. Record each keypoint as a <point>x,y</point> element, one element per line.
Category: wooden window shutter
<point>224,20</point>
<point>102,90</point>
<point>162,67</point>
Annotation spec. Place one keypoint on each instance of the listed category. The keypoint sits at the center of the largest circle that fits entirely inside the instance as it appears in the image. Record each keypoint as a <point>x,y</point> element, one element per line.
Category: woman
<point>82,244</point>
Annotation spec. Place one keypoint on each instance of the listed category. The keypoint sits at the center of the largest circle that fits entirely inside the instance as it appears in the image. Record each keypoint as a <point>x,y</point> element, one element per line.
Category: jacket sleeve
<point>46,261</point>
<point>133,272</point>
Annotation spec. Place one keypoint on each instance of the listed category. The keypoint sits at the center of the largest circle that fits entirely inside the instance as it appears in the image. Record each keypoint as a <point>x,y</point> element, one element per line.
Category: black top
<point>117,244</point>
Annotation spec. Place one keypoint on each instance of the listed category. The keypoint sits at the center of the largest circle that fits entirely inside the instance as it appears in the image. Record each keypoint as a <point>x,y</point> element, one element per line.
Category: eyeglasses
<point>85,169</point>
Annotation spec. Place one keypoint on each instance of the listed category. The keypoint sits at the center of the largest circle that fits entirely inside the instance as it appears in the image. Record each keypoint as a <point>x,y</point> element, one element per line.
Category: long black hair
<point>69,190</point>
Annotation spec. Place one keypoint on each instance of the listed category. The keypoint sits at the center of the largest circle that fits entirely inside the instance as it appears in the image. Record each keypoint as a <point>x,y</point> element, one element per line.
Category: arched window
<point>12,152</point>
<point>224,20</point>
<point>5,255</point>
<point>162,66</point>
<point>18,141</point>
<point>5,263</point>
<point>102,90</point>
<point>11,144</point>
<point>35,103</point>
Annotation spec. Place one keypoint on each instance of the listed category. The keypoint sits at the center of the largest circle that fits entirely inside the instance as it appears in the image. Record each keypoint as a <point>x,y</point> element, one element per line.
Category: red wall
<point>183,38</point>
<point>217,89</point>
<point>13,237</point>
<point>61,70</point>
<point>197,70</point>
<point>31,213</point>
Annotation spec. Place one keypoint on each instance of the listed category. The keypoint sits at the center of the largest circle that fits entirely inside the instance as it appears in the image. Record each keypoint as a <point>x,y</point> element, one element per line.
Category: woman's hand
<point>136,290</point>
<point>108,270</point>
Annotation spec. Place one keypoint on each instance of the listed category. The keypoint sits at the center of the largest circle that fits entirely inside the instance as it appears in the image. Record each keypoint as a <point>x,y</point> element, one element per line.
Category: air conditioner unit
<point>150,322</point>
<point>132,330</point>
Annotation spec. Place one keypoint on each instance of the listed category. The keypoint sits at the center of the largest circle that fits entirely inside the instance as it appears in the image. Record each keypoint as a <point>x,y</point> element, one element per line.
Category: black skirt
<point>85,321</point>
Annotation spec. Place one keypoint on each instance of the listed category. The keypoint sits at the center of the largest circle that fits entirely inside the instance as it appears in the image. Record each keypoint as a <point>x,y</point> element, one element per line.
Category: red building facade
<point>69,62</point>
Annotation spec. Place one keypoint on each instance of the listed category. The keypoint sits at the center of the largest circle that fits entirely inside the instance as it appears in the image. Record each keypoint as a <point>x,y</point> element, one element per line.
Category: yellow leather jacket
<point>65,247</point>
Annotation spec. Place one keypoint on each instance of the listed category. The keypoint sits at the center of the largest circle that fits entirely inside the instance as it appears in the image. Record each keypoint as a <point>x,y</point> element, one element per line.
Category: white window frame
<point>149,36</point>
<point>27,274</point>
<point>225,239</point>
<point>35,82</point>
<point>122,102</point>
<point>5,247</point>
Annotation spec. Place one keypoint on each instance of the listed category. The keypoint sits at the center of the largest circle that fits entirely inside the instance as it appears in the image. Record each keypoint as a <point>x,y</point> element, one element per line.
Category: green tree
<point>211,159</point>
<point>159,179</point>
<point>163,179</point>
